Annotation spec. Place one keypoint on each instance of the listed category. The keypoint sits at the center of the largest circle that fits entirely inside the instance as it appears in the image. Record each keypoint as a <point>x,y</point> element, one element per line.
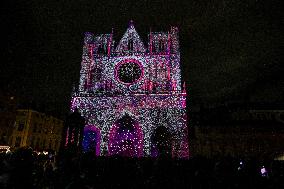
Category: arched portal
<point>161,142</point>
<point>126,138</point>
<point>91,140</point>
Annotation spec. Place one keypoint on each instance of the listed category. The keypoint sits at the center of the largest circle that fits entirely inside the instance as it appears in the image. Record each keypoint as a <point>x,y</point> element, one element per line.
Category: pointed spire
<point>110,43</point>
<point>130,35</point>
<point>131,24</point>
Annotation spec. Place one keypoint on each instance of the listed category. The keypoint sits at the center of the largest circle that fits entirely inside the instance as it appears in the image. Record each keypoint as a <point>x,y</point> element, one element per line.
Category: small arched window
<point>101,49</point>
<point>153,46</point>
<point>161,46</point>
<point>130,44</point>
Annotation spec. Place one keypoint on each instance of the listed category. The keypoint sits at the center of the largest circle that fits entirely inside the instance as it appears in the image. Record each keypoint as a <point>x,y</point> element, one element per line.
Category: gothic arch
<point>92,139</point>
<point>126,137</point>
<point>161,142</point>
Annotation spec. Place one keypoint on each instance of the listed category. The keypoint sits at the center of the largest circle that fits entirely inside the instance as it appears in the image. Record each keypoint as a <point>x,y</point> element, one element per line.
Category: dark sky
<point>230,49</point>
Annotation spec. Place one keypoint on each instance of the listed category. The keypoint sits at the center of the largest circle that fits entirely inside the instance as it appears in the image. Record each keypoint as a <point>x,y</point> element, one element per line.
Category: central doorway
<point>126,138</point>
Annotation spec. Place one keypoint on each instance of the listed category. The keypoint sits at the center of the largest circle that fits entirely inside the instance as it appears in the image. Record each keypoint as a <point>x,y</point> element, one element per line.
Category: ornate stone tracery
<point>150,94</point>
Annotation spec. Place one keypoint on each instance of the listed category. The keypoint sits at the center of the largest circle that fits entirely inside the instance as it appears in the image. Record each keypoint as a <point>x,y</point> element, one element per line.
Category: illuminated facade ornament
<point>127,91</point>
<point>73,131</point>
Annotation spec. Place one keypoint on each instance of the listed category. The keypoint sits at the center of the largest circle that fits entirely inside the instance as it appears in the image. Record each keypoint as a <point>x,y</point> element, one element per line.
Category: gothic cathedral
<point>131,95</point>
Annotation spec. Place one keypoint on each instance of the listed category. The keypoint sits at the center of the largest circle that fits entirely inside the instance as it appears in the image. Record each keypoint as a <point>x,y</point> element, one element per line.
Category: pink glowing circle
<point>129,71</point>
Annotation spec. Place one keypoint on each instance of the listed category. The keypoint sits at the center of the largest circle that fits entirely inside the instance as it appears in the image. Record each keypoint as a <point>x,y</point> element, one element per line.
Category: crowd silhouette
<point>24,168</point>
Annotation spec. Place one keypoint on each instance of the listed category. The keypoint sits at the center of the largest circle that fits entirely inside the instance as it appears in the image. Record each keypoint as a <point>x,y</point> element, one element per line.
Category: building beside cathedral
<point>131,95</point>
<point>36,130</point>
<point>239,132</point>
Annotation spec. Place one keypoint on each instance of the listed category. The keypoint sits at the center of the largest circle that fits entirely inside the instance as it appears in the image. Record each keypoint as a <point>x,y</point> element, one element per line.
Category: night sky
<point>230,50</point>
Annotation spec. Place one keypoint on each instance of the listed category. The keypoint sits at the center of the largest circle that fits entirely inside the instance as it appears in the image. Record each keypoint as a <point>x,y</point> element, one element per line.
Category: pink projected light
<point>128,90</point>
<point>126,61</point>
<point>116,138</point>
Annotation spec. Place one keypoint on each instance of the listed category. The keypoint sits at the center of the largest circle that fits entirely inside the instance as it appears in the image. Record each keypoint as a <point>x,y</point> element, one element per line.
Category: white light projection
<point>126,92</point>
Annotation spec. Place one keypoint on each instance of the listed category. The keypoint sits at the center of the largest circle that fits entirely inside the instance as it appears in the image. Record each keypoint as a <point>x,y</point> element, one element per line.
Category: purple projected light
<point>91,140</point>
<point>126,138</point>
<point>129,71</point>
<point>127,91</point>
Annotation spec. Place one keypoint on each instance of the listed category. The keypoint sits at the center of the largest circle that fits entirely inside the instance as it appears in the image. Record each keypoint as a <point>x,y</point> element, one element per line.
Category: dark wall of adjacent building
<point>238,132</point>
<point>7,117</point>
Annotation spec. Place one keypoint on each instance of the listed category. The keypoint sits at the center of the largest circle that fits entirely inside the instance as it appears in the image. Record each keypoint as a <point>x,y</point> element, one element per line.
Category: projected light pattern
<point>128,72</point>
<point>129,91</point>
<point>125,138</point>
<point>91,139</point>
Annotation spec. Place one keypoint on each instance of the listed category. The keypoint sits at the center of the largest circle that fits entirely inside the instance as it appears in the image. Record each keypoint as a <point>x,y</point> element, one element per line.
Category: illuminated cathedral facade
<point>131,95</point>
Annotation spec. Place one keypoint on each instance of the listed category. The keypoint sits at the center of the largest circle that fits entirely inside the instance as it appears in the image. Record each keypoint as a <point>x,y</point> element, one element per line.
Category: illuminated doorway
<point>126,138</point>
<point>91,140</point>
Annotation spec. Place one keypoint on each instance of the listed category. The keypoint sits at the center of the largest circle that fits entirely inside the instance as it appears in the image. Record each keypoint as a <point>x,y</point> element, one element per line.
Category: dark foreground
<point>25,169</point>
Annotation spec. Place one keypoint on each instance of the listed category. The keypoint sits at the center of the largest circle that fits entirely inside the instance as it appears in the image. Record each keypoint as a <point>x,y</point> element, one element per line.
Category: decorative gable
<point>129,96</point>
<point>130,42</point>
